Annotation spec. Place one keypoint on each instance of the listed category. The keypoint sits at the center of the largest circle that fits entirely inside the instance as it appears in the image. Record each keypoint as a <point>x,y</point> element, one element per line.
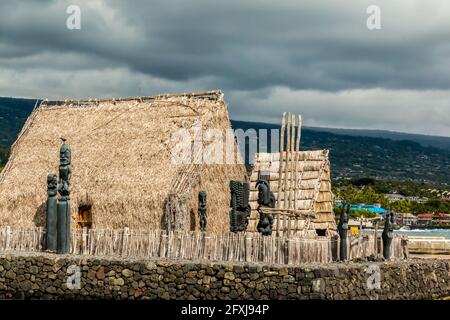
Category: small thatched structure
<point>122,169</point>
<point>311,193</point>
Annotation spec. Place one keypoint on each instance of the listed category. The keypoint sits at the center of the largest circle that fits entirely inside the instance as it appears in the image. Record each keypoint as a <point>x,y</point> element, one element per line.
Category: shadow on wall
<point>39,216</point>
<point>192,220</point>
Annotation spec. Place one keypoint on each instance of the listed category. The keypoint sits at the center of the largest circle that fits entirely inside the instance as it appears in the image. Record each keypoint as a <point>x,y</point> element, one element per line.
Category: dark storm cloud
<point>251,49</point>
<point>244,44</point>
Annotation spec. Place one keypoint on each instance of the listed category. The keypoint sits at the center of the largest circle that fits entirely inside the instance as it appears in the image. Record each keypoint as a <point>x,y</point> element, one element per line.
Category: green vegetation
<point>431,206</point>
<point>363,195</point>
<point>405,188</point>
<point>355,213</point>
<point>371,191</point>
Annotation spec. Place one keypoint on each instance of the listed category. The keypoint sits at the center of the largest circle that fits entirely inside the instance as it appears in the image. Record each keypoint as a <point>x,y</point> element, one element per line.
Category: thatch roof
<point>313,194</point>
<point>121,161</point>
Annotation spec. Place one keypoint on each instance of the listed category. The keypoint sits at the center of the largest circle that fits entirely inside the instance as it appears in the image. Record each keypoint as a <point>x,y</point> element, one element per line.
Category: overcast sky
<point>317,58</point>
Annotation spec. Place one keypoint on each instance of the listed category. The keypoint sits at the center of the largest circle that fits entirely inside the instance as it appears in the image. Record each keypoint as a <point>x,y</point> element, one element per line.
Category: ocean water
<point>419,232</point>
<point>425,233</point>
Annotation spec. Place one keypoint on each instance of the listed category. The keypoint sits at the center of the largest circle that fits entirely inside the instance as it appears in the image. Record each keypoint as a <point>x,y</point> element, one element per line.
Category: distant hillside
<point>424,140</point>
<point>13,114</point>
<point>351,155</point>
<point>384,159</point>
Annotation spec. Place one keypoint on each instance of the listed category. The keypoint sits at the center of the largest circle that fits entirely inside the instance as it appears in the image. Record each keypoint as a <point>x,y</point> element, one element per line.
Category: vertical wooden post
<point>280,171</point>
<point>286,250</point>
<point>206,239</point>
<point>8,238</point>
<point>84,240</point>
<point>126,232</point>
<point>297,167</point>
<point>292,178</point>
<point>248,241</point>
<point>286,171</point>
<point>297,157</point>
<point>360,227</point>
<point>376,237</point>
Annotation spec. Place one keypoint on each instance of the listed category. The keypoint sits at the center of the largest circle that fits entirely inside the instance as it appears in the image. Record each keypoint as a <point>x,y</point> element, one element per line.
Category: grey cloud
<point>245,45</point>
<point>425,112</point>
<point>252,49</point>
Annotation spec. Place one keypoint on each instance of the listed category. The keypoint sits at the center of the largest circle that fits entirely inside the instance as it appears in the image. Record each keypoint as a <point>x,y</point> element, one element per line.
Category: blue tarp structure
<point>367,207</point>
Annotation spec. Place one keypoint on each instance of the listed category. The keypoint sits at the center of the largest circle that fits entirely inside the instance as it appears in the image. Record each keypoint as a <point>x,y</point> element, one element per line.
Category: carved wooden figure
<point>64,217</point>
<point>343,229</point>
<point>202,209</point>
<point>388,234</point>
<point>240,208</point>
<point>266,199</point>
<point>51,214</point>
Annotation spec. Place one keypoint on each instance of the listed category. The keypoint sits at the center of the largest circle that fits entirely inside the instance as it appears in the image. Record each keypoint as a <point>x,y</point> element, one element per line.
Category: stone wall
<point>46,276</point>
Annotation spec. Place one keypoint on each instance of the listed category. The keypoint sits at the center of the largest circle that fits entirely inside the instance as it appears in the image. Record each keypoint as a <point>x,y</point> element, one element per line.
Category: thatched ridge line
<point>214,95</point>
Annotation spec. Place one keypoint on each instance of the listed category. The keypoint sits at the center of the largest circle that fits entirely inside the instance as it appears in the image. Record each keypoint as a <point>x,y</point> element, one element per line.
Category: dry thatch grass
<point>121,160</point>
<point>312,193</point>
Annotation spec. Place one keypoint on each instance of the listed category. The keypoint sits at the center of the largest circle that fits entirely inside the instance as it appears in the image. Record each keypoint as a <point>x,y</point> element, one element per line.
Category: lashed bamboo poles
<point>280,172</point>
<point>291,180</point>
<point>297,157</point>
<point>286,169</point>
<point>288,165</point>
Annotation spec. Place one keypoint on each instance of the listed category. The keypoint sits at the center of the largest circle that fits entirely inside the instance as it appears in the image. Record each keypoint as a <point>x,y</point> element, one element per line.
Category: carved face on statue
<point>52,184</point>
<point>65,155</point>
<point>202,198</point>
<point>263,192</point>
<point>391,222</point>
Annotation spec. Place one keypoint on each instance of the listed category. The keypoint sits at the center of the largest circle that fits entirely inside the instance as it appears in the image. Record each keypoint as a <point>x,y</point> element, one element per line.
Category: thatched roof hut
<point>122,168</point>
<point>312,193</point>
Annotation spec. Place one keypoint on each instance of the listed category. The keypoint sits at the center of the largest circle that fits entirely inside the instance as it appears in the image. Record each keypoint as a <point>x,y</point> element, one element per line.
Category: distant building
<point>393,197</point>
<point>445,195</point>
<point>417,199</point>
<point>424,220</point>
<point>433,219</point>
<point>409,219</point>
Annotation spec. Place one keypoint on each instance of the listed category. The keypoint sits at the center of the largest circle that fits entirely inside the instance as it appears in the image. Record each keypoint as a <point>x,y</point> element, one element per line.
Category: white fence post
<point>84,241</point>
<point>198,245</point>
<point>8,237</point>
<point>126,233</point>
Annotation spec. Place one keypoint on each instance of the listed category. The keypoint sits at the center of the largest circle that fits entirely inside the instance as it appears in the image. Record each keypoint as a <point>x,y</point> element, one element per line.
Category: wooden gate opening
<point>84,216</point>
<point>321,232</point>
